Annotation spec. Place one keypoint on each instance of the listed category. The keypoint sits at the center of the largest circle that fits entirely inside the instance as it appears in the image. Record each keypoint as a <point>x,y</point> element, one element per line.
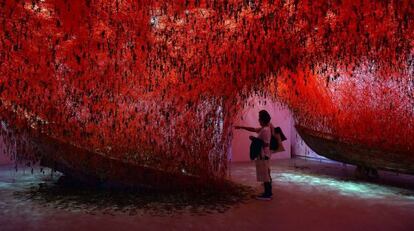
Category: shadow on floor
<point>72,197</point>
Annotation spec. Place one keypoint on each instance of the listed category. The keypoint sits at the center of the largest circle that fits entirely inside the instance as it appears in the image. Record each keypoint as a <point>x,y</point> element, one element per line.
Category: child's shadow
<point>134,202</point>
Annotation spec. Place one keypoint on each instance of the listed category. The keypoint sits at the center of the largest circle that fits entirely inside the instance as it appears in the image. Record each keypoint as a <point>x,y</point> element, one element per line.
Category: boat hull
<point>96,169</point>
<point>327,146</point>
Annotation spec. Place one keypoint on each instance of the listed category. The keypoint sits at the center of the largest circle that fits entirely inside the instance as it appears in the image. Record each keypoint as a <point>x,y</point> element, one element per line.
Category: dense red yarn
<point>160,82</point>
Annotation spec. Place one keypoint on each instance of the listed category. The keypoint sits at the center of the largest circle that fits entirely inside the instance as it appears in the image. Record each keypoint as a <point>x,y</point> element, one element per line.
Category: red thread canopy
<point>160,82</point>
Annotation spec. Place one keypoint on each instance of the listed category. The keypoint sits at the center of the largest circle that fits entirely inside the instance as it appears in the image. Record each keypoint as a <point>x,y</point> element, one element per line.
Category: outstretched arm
<point>250,129</point>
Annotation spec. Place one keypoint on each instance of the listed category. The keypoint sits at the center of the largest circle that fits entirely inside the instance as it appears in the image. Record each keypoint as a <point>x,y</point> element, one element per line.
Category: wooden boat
<point>99,170</point>
<point>96,169</point>
<point>359,155</point>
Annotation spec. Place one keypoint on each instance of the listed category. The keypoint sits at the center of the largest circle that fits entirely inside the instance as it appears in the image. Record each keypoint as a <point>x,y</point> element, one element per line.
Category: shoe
<point>264,197</point>
<point>268,189</point>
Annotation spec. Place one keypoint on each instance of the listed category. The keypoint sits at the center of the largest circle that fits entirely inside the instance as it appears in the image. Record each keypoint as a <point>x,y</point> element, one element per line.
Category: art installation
<point>107,88</point>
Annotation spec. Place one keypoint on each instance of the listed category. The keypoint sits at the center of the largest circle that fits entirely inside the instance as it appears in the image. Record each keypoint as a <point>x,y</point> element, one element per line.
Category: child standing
<point>262,162</point>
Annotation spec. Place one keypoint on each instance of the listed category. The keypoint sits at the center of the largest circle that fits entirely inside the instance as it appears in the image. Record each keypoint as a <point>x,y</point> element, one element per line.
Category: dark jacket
<point>256,148</point>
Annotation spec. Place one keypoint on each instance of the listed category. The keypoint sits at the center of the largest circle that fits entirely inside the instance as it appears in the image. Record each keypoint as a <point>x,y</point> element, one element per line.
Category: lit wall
<point>281,116</point>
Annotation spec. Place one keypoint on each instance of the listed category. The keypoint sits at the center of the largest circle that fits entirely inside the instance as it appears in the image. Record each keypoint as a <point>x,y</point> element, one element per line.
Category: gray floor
<point>309,195</point>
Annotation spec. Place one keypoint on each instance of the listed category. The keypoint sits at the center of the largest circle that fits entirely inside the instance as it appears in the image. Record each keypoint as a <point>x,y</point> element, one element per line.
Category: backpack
<point>274,145</point>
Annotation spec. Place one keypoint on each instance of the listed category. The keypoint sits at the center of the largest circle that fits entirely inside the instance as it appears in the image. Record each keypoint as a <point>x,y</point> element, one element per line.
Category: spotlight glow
<point>363,190</point>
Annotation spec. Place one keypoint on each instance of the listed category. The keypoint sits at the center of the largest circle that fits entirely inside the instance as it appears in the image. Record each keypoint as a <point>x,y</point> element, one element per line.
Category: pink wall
<point>249,117</point>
